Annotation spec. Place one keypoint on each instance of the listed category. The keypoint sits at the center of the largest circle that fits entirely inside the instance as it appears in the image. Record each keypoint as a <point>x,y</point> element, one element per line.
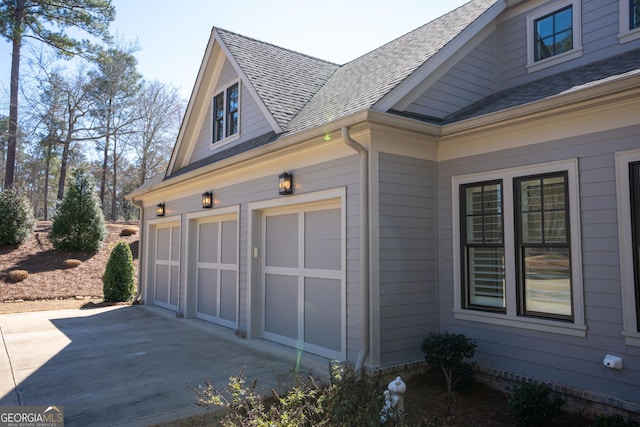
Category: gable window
<point>628,195</point>
<point>554,34</point>
<point>629,20</point>
<point>226,113</point>
<point>519,264</point>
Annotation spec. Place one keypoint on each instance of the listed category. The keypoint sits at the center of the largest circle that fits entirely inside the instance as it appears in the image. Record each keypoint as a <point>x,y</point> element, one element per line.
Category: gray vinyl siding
<point>252,120</point>
<point>574,361</point>
<point>407,266</point>
<point>599,40</point>
<point>472,79</point>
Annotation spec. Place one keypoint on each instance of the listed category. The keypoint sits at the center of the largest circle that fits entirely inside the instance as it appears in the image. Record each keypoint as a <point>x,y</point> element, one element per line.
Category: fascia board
<point>247,83</point>
<point>192,100</point>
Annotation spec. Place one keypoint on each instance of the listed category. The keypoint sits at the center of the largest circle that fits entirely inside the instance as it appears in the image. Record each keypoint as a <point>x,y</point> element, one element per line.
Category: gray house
<point>478,175</point>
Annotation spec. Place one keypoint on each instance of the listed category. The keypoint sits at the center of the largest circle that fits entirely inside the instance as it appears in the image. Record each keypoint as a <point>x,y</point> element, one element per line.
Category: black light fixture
<point>160,209</point>
<point>285,183</point>
<point>207,200</point>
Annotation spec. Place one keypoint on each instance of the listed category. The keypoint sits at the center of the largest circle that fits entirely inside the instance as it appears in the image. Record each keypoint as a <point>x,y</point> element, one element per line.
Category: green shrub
<point>78,223</point>
<point>343,402</point>
<point>613,421</point>
<point>118,280</point>
<point>449,351</point>
<point>533,403</point>
<point>17,218</point>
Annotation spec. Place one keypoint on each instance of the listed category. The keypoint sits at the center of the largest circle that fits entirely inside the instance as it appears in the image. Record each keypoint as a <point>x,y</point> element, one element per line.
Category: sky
<point>173,35</point>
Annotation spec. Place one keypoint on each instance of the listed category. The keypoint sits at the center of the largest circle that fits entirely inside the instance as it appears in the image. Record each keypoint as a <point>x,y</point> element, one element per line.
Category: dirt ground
<point>50,286</point>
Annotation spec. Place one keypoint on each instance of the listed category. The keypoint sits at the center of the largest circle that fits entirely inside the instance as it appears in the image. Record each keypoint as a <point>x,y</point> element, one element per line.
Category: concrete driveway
<point>129,365</point>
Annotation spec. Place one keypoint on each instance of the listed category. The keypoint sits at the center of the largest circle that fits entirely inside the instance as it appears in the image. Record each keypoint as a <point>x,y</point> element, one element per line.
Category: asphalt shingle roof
<point>359,84</point>
<point>556,84</point>
<point>285,80</point>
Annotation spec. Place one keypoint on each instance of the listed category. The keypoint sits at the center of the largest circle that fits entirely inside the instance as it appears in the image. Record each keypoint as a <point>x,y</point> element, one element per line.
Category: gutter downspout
<point>138,204</point>
<point>364,248</point>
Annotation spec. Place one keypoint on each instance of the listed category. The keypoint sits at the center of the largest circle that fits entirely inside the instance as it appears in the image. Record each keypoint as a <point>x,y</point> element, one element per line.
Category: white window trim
<point>227,139</point>
<point>511,317</point>
<point>626,34</point>
<point>576,52</point>
<point>630,330</point>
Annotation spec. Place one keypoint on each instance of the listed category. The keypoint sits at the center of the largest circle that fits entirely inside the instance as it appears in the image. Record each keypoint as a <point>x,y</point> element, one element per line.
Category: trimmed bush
<point>16,276</point>
<point>78,224</point>
<point>118,280</point>
<point>17,218</point>
<point>533,404</point>
<point>448,352</point>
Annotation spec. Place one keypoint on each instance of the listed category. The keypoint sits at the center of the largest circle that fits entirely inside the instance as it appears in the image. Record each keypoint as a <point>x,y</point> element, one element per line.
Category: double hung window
<point>628,195</point>
<point>629,20</point>
<point>226,113</point>
<point>519,258</point>
<point>634,184</point>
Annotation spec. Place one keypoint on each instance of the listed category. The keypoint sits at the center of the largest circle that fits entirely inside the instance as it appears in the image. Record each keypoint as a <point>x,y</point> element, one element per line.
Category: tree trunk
<point>10,167</point>
<point>46,180</point>
<point>114,195</point>
<point>105,160</point>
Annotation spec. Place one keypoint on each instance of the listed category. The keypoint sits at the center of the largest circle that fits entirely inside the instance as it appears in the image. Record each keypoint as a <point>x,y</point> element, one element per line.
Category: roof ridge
<point>274,46</point>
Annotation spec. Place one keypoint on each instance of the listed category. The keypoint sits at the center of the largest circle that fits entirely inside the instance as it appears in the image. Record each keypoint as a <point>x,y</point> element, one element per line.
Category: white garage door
<point>167,266</point>
<point>217,271</point>
<point>303,284</point>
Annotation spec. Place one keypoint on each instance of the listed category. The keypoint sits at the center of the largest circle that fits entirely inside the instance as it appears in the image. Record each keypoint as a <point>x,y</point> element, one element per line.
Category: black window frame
<point>465,245</point>
<point>538,41</point>
<point>521,246</point>
<point>226,115</point>
<point>634,187</point>
<point>634,14</point>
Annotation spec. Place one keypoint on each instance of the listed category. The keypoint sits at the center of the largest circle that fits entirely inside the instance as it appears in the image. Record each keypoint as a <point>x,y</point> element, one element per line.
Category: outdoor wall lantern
<point>207,200</point>
<point>160,209</point>
<point>285,183</point>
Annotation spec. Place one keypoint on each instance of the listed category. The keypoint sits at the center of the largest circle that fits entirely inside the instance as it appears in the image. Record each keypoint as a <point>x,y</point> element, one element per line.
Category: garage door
<point>217,271</point>
<point>303,285</point>
<point>167,266</point>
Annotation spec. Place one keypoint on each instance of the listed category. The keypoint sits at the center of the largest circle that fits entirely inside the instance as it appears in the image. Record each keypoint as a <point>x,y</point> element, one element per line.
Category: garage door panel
<point>322,239</point>
<point>282,240</point>
<point>208,242</point>
<point>228,295</point>
<point>175,279</point>
<point>322,313</point>
<point>208,291</point>
<point>162,284</point>
<point>281,305</point>
<point>175,243</point>
<point>163,245</point>
<point>229,243</point>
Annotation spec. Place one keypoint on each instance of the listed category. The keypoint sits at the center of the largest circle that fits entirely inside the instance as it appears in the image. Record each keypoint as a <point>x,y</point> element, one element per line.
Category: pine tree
<point>17,217</point>
<point>78,224</point>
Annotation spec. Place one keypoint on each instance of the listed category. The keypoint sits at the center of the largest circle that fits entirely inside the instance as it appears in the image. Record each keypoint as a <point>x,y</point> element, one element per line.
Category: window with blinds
<point>543,245</point>
<point>483,246</point>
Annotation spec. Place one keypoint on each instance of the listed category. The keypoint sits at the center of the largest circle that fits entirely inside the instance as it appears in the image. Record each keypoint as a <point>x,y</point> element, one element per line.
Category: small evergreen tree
<point>78,224</point>
<point>17,217</point>
<point>118,279</point>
